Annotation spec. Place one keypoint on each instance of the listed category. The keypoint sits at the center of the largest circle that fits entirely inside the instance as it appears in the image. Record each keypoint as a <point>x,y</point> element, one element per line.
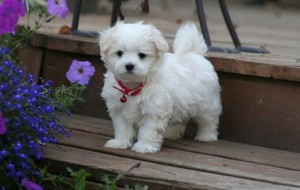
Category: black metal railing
<point>117,13</point>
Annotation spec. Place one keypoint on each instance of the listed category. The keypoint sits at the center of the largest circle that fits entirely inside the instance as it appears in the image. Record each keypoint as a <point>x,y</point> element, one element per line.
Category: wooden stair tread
<point>99,163</point>
<point>224,149</point>
<point>184,163</point>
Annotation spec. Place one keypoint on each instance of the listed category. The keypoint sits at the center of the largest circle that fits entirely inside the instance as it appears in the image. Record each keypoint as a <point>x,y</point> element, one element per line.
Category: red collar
<point>127,91</point>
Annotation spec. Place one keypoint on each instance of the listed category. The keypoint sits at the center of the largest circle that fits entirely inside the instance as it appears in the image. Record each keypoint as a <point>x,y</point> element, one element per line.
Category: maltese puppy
<point>151,94</point>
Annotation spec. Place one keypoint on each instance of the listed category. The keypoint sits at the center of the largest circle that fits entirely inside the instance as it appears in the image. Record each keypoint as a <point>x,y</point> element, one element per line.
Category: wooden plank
<point>262,65</point>
<point>260,111</point>
<point>222,148</point>
<point>190,160</point>
<point>99,162</point>
<point>72,44</point>
<point>88,124</point>
<point>258,37</point>
<point>275,58</point>
<point>31,64</point>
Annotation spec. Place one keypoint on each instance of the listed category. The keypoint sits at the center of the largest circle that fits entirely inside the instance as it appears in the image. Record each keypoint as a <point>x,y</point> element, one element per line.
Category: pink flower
<point>29,185</point>
<point>10,10</point>
<point>80,72</point>
<point>58,9</point>
<point>3,128</point>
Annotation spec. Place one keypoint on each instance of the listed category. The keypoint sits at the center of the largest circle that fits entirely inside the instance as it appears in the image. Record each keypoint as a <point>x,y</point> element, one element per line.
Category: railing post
<point>76,14</point>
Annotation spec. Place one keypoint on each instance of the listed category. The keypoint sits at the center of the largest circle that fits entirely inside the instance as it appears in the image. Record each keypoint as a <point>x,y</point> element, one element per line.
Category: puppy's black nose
<point>129,66</point>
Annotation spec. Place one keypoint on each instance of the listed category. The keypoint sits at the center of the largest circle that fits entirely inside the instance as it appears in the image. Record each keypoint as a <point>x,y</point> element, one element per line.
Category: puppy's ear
<point>159,41</point>
<point>105,41</point>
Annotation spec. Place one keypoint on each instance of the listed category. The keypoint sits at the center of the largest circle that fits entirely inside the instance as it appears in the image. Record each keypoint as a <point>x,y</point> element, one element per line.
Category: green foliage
<point>63,97</point>
<point>58,181</point>
<point>79,178</point>
<point>136,187</point>
<point>111,183</point>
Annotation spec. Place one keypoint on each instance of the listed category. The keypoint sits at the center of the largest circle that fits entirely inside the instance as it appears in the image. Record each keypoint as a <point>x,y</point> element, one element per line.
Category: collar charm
<point>127,91</point>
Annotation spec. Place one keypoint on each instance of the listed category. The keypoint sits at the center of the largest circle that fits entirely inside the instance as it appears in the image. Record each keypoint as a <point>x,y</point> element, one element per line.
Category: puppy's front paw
<point>209,137</point>
<point>115,143</point>
<point>142,147</point>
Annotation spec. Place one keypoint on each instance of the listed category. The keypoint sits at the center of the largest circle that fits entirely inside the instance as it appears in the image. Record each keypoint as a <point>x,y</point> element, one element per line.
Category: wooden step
<point>182,164</point>
<point>260,93</point>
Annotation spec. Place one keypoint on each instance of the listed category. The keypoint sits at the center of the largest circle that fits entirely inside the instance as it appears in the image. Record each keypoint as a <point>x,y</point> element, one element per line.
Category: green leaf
<point>69,170</point>
<point>44,171</point>
<point>79,178</point>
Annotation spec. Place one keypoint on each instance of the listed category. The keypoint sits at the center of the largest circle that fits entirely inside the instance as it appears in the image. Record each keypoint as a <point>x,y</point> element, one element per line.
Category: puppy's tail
<point>189,40</point>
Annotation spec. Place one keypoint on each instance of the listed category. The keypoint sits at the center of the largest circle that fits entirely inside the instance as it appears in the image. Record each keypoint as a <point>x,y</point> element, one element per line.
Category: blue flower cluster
<point>30,118</point>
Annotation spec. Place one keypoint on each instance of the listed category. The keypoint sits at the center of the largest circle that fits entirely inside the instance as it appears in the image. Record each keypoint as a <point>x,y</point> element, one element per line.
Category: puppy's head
<point>131,51</point>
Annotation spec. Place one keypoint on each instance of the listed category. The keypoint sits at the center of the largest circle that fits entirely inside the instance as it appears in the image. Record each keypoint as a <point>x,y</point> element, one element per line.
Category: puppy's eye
<point>120,53</point>
<point>142,55</point>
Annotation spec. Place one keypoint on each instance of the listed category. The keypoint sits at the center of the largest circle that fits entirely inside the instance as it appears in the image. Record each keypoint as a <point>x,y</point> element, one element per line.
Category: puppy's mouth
<point>130,76</point>
<point>126,73</point>
<point>130,72</point>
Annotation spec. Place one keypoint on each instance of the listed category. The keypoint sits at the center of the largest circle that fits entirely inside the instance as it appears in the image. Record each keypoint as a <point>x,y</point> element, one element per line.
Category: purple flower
<point>10,10</point>
<point>80,72</point>
<point>3,128</point>
<point>29,185</point>
<point>58,9</point>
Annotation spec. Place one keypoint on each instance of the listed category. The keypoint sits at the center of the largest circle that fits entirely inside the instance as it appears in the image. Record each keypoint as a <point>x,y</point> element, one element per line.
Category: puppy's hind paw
<point>142,147</point>
<point>115,143</point>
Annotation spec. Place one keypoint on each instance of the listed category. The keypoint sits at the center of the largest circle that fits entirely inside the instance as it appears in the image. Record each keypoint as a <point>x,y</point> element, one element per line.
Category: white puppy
<point>152,94</point>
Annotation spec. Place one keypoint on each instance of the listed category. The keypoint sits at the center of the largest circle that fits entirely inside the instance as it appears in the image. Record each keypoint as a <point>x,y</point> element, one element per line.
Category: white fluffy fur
<point>179,86</point>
